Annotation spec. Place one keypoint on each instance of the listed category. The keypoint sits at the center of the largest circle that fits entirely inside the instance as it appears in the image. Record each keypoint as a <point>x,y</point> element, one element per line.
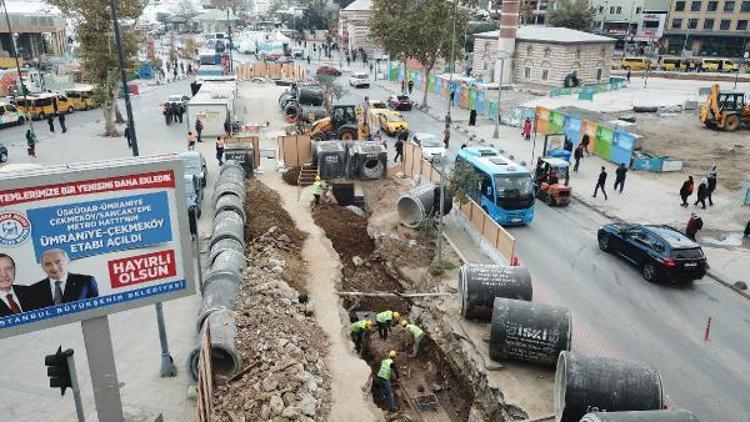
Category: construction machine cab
<point>552,177</point>
<point>724,110</point>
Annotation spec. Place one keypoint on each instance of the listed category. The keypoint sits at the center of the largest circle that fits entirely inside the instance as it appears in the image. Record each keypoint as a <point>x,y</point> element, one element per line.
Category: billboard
<point>90,239</point>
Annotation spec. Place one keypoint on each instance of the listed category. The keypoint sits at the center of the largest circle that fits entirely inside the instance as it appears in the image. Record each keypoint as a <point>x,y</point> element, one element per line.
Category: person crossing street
<point>198,128</point>
<point>711,178</point>
<point>386,371</point>
<point>61,119</point>
<point>385,321</point>
<point>360,329</point>
<point>191,141</point>
<point>620,174</point>
<point>600,183</point>
<point>417,333</point>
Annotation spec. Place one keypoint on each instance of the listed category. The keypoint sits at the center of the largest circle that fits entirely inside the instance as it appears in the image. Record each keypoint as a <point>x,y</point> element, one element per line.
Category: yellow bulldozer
<point>344,123</point>
<point>725,110</point>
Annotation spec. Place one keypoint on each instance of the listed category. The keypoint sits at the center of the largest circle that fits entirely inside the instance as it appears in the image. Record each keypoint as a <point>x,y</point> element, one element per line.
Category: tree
<point>185,9</point>
<point>420,29</point>
<point>161,17</point>
<point>343,3</point>
<point>527,12</point>
<point>97,52</point>
<point>466,39</point>
<point>332,89</point>
<point>238,7</point>
<point>573,14</point>
<point>463,181</point>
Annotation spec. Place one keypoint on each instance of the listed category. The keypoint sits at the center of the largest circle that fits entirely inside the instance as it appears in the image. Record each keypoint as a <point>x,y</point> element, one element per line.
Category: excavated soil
<point>263,213</point>
<point>291,176</point>
<point>430,372</point>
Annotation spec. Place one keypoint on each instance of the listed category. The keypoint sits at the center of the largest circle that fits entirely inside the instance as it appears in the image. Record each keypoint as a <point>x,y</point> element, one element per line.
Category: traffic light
<point>58,369</point>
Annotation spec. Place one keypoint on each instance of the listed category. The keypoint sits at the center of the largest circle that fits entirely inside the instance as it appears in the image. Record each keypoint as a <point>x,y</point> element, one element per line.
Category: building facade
<point>354,27</point>
<point>36,34</point>
<point>716,28</point>
<point>546,55</point>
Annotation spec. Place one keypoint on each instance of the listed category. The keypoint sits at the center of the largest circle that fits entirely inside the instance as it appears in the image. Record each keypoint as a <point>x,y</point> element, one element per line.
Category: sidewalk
<point>650,198</point>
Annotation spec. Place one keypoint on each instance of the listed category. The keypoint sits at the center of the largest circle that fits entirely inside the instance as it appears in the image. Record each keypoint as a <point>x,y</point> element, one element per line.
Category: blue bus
<point>506,189</point>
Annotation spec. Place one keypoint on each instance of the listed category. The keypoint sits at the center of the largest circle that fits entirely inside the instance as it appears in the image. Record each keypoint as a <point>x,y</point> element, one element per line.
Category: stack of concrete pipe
<point>226,261</point>
<point>641,416</point>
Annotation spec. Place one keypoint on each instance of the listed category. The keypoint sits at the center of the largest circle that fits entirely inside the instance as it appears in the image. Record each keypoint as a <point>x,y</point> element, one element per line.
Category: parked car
<point>661,252</point>
<point>392,120</point>
<point>193,193</point>
<point>360,80</point>
<point>400,102</point>
<point>328,70</point>
<point>285,59</point>
<point>432,146</point>
<point>180,99</point>
<point>3,153</point>
<point>298,53</point>
<point>9,115</point>
<point>719,65</point>
<point>194,164</point>
<point>635,63</point>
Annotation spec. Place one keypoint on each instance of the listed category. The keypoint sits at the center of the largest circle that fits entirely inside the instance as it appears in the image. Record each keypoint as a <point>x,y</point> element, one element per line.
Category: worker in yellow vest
<point>359,332</point>
<point>319,189</point>
<point>416,332</point>
<point>385,320</point>
<point>387,371</point>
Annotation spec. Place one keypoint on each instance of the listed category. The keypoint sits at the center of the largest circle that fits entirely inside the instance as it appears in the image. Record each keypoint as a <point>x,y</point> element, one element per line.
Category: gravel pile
<point>285,377</point>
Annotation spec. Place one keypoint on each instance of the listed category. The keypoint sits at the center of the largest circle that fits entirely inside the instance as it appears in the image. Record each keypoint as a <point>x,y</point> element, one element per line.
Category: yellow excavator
<point>725,110</point>
<point>345,123</point>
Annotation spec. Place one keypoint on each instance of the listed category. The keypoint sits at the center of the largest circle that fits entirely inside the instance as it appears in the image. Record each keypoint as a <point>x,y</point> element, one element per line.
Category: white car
<point>432,146</point>
<point>360,80</point>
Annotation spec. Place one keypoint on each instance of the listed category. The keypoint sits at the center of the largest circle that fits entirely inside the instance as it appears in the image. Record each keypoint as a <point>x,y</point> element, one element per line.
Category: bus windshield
<point>512,185</point>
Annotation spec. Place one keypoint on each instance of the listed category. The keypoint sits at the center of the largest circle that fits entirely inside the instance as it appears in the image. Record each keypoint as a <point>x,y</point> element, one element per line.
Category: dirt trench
<point>367,267</point>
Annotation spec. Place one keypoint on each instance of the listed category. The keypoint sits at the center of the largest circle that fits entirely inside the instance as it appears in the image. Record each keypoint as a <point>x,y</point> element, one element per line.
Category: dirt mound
<point>347,231</point>
<point>291,176</point>
<point>264,212</point>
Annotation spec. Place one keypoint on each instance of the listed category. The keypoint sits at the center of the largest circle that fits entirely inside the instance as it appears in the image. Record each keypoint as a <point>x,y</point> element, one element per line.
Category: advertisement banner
<point>542,120</point>
<point>572,129</point>
<point>623,144</point>
<point>556,122</point>
<point>603,142</point>
<point>590,128</point>
<point>87,240</point>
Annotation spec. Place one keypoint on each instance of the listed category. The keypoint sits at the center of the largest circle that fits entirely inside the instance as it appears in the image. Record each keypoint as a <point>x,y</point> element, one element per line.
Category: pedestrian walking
<point>371,68</point>
<point>31,144</point>
<point>126,134</point>
<point>174,72</point>
<point>180,111</point>
<point>386,371</point>
<point>61,119</point>
<point>585,142</point>
<point>453,96</point>
<point>446,136</point>
<point>191,141</point>
<point>628,75</point>
<point>167,112</point>
<point>198,128</point>
<point>410,84</point>
<point>227,127</point>
<point>473,117</point>
<point>385,321</point>
<point>694,224</point>
<point>348,60</point>
<point>190,68</point>
<point>526,133</point>
<point>577,156</point>
<point>399,151</point>
<point>620,174</point>
<point>220,144</point>
<point>182,68</point>
<point>711,178</point>
<point>403,86</point>
<point>702,193</point>
<point>308,59</point>
<point>359,331</point>
<point>51,122</point>
<point>318,189</point>
<point>600,183</point>
<point>747,229</point>
<point>686,190</point>
<point>417,333</point>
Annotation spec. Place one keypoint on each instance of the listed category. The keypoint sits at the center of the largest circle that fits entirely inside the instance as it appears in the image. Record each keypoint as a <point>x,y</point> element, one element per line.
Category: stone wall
<point>548,64</point>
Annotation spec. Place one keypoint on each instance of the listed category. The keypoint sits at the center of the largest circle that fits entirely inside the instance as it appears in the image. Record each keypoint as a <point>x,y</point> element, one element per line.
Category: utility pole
<point>229,32</point>
<point>18,68</point>
<point>453,65</point>
<point>501,56</point>
<point>167,363</point>
<point>439,253</point>
<point>604,17</point>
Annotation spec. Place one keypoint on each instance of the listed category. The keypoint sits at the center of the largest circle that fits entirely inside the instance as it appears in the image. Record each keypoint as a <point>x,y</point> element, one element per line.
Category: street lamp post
<point>18,67</point>
<point>501,56</point>
<point>167,363</point>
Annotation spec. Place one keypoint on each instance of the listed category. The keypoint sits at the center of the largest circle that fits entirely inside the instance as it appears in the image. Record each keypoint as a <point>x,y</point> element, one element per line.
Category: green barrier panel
<point>556,122</point>
<point>604,137</point>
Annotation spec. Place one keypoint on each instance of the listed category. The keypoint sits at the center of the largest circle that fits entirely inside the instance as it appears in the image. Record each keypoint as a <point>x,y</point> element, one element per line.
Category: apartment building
<point>714,28</point>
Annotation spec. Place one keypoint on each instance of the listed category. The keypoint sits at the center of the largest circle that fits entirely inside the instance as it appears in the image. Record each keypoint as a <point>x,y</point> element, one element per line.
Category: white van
<point>10,116</point>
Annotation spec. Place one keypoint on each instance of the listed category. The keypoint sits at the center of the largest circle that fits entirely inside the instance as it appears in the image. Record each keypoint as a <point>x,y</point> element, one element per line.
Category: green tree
<point>467,38</point>
<point>573,14</point>
<point>526,12</point>
<point>420,29</point>
<point>97,52</point>
<point>463,181</point>
<point>238,7</point>
<point>343,3</point>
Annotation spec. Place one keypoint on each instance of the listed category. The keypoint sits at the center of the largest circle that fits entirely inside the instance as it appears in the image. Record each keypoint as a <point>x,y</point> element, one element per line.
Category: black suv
<point>661,252</point>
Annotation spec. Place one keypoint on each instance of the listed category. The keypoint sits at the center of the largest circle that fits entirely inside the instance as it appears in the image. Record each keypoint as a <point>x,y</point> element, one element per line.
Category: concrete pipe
<point>219,295</point>
<point>230,203</point>
<point>641,416</point>
<point>447,202</point>
<point>228,214</point>
<point>529,332</point>
<point>585,382</point>
<point>232,170</point>
<point>414,205</point>
<point>228,228</point>
<point>480,284</point>
<point>222,245</point>
<point>225,359</point>
<point>229,260</point>
<point>216,274</point>
<point>228,188</point>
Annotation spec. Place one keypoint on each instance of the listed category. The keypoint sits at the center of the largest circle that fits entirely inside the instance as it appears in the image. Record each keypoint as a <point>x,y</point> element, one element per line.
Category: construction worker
<point>383,378</point>
<point>418,334</point>
<point>385,321</point>
<point>319,189</point>
<point>359,332</point>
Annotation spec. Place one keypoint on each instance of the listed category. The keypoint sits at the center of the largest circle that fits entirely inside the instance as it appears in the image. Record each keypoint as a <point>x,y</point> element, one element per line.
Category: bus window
<point>509,185</point>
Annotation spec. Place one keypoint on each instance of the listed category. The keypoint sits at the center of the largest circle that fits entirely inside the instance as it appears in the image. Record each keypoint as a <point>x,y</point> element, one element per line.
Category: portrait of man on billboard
<point>14,299</point>
<point>62,286</point>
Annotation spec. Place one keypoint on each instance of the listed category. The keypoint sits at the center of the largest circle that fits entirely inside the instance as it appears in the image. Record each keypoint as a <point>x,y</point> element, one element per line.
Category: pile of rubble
<point>285,377</point>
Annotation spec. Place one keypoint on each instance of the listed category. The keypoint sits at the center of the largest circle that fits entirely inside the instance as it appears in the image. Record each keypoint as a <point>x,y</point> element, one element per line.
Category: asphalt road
<point>618,314</point>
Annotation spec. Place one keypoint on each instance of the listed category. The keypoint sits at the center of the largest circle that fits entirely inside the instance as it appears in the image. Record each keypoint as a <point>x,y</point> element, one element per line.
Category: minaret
<point>509,15</point>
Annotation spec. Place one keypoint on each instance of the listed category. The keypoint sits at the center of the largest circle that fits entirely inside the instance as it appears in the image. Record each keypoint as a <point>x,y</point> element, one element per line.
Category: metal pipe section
<point>641,416</point>
<point>415,205</point>
<point>529,332</point>
<point>480,284</point>
<point>585,382</point>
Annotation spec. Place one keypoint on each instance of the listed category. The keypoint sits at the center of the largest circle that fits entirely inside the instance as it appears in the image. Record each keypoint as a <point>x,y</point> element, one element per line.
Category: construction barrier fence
<point>294,150</point>
<point>414,165</point>
<point>270,70</point>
